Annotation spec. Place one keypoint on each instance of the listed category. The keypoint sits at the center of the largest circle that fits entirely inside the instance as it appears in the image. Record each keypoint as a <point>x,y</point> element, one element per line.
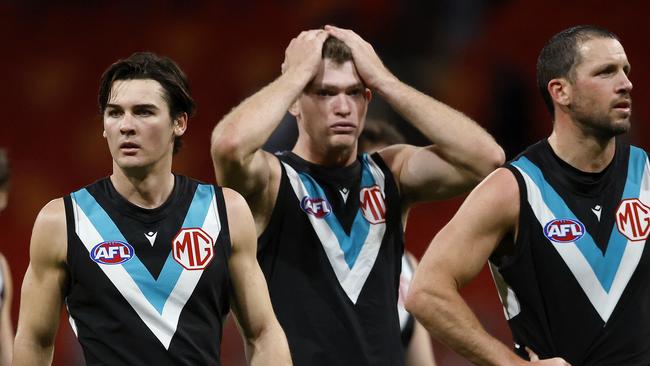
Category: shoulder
<point>495,202</point>
<point>240,220</point>
<point>49,235</point>
<point>394,155</point>
<point>52,215</point>
<point>499,187</point>
<point>235,202</point>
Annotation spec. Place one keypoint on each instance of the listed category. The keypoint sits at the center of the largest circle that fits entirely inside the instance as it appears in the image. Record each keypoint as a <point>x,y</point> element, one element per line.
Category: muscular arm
<point>238,138</point>
<point>42,289</point>
<point>462,153</point>
<point>265,341</point>
<point>6,328</point>
<point>456,256</point>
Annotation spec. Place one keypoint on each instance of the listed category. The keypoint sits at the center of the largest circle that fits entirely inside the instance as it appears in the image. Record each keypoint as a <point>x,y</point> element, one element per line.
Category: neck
<point>580,149</point>
<point>325,155</point>
<point>147,189</point>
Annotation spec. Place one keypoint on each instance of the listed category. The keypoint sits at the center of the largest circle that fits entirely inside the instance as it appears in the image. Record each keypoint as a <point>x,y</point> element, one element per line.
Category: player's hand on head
<point>304,53</point>
<point>370,67</point>
<point>534,359</point>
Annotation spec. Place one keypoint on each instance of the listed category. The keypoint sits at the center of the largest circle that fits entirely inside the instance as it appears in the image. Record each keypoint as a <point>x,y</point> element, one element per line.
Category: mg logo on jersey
<point>633,219</point>
<point>564,230</point>
<point>318,207</point>
<point>193,248</point>
<point>372,204</point>
<point>112,252</point>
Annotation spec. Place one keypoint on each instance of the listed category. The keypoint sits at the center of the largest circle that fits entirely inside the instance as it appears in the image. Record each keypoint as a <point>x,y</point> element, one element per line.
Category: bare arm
<point>265,341</point>
<point>42,289</point>
<point>456,256</point>
<point>419,351</point>
<point>238,138</point>
<point>462,153</point>
<point>6,327</point>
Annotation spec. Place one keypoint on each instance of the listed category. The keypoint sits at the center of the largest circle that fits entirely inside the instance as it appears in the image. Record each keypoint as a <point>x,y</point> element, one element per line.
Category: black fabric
<point>557,318</point>
<point>323,326</point>
<point>108,328</point>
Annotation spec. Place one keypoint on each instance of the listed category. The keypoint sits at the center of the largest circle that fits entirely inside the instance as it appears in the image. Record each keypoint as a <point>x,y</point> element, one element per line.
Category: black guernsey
<point>578,285</point>
<point>148,286</point>
<point>331,255</point>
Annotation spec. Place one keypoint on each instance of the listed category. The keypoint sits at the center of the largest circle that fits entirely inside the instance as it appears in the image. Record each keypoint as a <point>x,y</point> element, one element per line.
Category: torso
<point>583,235</point>
<point>331,255</point>
<point>148,287</point>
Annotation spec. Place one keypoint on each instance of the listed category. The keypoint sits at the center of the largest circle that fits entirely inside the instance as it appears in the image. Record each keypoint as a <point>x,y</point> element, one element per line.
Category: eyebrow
<point>138,106</point>
<point>335,87</point>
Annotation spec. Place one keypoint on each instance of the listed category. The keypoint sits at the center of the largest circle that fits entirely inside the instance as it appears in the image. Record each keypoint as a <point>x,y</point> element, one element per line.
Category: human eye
<point>144,112</point>
<point>607,71</point>
<point>113,113</point>
<point>355,92</point>
<point>325,92</point>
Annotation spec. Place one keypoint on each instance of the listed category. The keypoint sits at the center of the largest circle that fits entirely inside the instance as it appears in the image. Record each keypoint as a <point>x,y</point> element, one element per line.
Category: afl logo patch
<point>317,207</point>
<point>564,230</point>
<point>112,252</point>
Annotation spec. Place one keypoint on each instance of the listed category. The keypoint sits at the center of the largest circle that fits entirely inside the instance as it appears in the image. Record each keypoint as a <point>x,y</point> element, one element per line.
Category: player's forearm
<point>244,130</point>
<point>458,137</point>
<point>448,318</point>
<point>29,352</point>
<point>269,348</point>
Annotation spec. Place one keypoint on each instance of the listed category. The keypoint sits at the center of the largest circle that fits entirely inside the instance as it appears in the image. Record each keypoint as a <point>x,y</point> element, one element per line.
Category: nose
<point>626,85</point>
<point>127,124</point>
<point>342,104</point>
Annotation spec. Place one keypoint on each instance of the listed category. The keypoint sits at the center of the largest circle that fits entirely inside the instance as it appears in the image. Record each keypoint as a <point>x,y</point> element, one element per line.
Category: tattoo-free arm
<point>239,161</point>
<point>456,255</point>
<point>42,289</point>
<point>265,341</point>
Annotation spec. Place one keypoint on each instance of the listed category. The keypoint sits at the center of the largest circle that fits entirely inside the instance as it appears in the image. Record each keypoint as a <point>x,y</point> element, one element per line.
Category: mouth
<point>343,127</point>
<point>623,106</point>
<point>129,148</point>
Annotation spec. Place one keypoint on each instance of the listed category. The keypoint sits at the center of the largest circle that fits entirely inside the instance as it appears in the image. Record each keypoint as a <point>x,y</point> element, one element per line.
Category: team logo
<point>112,252</point>
<point>318,207</point>
<point>564,230</point>
<point>193,248</point>
<point>633,219</point>
<point>372,204</point>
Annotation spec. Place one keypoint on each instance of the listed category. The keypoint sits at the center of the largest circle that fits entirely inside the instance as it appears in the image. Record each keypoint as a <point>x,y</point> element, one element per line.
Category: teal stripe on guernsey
<point>605,265</point>
<point>155,291</point>
<point>199,207</point>
<point>353,243</point>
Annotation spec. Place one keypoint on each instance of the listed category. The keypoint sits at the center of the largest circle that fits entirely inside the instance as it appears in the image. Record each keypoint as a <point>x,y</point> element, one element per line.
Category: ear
<point>368,95</point>
<point>104,133</point>
<point>560,91</point>
<point>180,124</point>
<point>295,108</point>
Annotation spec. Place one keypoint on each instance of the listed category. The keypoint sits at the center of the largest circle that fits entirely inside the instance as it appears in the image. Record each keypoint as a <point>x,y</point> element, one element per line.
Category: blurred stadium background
<point>476,55</point>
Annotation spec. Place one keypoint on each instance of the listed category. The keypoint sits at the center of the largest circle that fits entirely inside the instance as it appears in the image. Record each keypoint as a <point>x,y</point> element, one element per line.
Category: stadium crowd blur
<point>478,56</point>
